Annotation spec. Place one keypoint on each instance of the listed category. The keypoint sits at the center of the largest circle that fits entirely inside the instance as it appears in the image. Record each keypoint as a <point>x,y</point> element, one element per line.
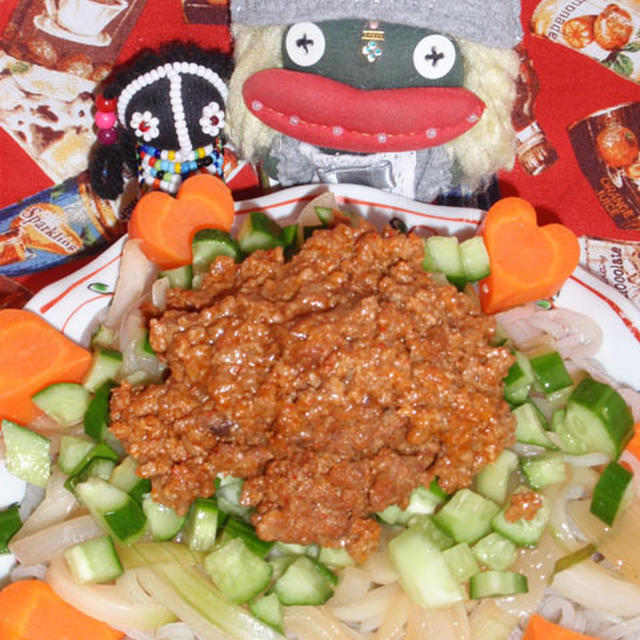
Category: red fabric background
<point>572,87</point>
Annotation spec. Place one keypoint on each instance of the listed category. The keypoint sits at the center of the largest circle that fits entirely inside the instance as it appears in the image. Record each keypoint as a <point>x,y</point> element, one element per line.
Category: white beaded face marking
<point>212,119</point>
<point>174,72</point>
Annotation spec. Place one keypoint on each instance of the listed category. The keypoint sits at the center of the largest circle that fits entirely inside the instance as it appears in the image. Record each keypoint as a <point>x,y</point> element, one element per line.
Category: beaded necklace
<point>166,168</point>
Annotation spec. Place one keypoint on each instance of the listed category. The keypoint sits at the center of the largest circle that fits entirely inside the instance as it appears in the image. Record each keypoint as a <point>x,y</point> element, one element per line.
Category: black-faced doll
<point>161,117</point>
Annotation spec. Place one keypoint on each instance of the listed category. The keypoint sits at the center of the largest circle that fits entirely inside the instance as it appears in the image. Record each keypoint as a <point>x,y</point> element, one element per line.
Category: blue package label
<point>55,226</point>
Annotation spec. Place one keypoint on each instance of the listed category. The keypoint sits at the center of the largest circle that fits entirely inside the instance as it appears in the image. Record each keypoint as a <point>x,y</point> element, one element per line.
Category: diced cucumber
<point>72,451</point>
<point>179,278</point>
<point>596,419</point>
<point>201,596</point>
<point>303,582</point>
<point>609,492</point>
<point>10,524</point>
<point>124,477</point>
<point>461,562</point>
<point>467,516</point>
<point>103,337</point>
<point>207,245</point>
<point>290,239</point>
<point>201,528</point>
<point>94,561</point>
<point>234,528</point>
<point>228,493</point>
<point>269,610</point>
<point>475,259</point>
<point>491,584</point>
<point>421,502</point>
<point>423,571</point>
<point>523,532</point>
<point>27,454</point>
<point>437,536</point>
<point>495,552</point>
<point>164,523</point>
<point>335,558</point>
<point>238,572</point>
<point>519,380</point>
<point>96,468</point>
<point>259,231</point>
<point>65,402</point>
<point>281,563</point>
<point>444,257</point>
<point>544,469</point>
<point>96,417</point>
<point>492,481</point>
<point>105,365</point>
<point>550,371</point>
<point>529,426</point>
<point>116,511</point>
<point>100,450</point>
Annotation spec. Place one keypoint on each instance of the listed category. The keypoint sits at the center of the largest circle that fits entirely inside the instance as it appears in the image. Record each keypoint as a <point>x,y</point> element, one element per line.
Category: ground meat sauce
<point>334,383</point>
<point>523,504</point>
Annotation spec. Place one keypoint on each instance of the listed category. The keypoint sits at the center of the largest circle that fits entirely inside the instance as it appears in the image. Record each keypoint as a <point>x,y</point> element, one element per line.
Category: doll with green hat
<point>411,97</point>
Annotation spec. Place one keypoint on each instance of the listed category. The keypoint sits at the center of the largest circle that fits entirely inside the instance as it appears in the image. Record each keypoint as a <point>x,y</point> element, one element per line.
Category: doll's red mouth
<point>326,113</point>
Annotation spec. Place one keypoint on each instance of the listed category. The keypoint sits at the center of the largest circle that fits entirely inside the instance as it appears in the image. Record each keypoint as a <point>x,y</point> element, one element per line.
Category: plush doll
<point>161,117</point>
<point>411,97</point>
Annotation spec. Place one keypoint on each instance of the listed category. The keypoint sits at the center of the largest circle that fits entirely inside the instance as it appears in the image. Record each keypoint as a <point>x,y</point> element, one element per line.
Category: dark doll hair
<point>107,162</point>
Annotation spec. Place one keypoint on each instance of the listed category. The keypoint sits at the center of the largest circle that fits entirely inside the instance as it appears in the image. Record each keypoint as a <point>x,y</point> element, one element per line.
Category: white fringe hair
<point>490,73</point>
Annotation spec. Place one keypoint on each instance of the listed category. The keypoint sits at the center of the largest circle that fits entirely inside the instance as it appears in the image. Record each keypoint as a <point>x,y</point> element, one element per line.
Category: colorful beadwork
<point>166,168</point>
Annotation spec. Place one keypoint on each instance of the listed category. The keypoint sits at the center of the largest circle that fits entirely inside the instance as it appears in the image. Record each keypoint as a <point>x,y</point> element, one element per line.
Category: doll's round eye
<point>434,56</point>
<point>305,43</point>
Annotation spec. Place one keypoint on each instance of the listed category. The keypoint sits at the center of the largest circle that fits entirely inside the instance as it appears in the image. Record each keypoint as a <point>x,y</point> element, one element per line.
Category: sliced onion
<point>591,586</point>
<point>163,592</point>
<point>159,293</point>
<point>369,605</point>
<point>22,572</point>
<point>122,604</point>
<point>315,623</point>
<point>395,617</point>
<point>47,543</point>
<point>134,278</point>
<point>57,504</point>
<point>588,460</point>
<point>354,584</point>
<point>450,623</point>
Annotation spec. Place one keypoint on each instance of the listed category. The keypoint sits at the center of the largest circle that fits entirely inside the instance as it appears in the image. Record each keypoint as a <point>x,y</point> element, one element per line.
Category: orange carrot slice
<point>633,446</point>
<point>33,355</point>
<point>166,225</point>
<point>528,262</point>
<point>540,628</point>
<point>31,610</point>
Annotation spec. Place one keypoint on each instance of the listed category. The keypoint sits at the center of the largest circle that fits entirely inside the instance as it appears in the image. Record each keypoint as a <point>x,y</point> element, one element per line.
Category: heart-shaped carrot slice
<point>166,225</point>
<point>528,262</point>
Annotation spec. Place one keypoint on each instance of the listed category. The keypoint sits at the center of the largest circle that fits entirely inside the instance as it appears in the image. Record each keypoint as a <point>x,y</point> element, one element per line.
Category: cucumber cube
<point>238,572</point>
<point>423,570</point>
<point>65,402</point>
<point>116,511</point>
<point>467,516</point>
<point>27,454</point>
<point>94,561</point>
<point>303,582</point>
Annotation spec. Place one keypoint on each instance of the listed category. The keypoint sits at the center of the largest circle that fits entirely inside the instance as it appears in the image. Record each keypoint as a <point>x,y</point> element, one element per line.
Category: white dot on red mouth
<point>337,131</point>
<point>431,132</point>
<point>294,120</point>
<point>382,138</point>
<point>256,105</point>
<point>472,118</point>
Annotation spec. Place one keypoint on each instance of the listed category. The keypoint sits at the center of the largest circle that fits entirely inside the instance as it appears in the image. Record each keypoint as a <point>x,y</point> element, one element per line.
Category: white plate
<point>71,304</point>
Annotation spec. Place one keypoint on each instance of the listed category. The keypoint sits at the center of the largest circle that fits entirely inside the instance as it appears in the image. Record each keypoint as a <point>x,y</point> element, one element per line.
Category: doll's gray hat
<point>495,23</point>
